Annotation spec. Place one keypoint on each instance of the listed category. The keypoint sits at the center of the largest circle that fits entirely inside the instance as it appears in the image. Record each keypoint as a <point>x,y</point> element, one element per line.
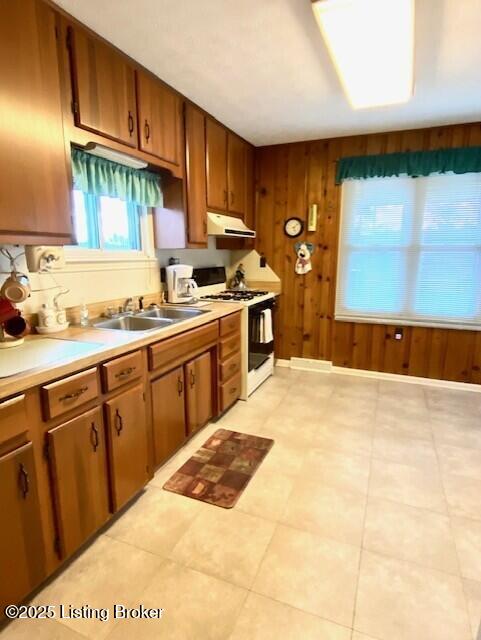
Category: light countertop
<point>106,344</point>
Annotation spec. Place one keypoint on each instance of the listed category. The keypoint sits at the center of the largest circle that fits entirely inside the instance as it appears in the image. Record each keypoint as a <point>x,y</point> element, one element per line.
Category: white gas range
<point>257,349</point>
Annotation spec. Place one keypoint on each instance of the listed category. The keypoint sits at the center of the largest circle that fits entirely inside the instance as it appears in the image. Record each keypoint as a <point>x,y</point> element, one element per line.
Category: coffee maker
<point>181,287</point>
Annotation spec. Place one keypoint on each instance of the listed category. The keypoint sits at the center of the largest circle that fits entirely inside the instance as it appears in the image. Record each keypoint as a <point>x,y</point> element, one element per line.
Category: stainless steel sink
<point>175,314</point>
<point>134,323</point>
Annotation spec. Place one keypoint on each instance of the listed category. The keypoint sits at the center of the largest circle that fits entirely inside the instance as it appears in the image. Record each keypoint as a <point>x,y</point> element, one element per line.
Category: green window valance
<point>101,177</point>
<point>411,163</point>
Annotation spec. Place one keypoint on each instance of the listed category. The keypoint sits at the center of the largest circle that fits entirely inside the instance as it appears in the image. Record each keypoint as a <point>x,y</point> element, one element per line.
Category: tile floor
<point>363,523</point>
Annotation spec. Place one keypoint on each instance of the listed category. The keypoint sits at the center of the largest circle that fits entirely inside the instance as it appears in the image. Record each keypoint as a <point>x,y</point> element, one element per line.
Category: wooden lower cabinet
<point>168,414</point>
<point>198,382</point>
<point>127,444</point>
<point>78,459</point>
<point>22,556</point>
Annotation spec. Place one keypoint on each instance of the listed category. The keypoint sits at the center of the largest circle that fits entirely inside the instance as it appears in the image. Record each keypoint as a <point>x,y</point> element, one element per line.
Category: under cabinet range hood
<point>227,226</point>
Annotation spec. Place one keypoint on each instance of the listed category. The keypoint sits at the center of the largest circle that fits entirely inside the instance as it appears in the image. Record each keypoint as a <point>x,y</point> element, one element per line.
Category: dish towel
<point>266,326</point>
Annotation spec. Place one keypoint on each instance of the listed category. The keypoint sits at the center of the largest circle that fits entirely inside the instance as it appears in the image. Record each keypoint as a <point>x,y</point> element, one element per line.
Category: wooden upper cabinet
<point>250,190</point>
<point>34,185</point>
<point>168,414</point>
<point>22,553</point>
<point>127,440</point>
<point>216,165</point>
<point>236,174</point>
<point>103,83</point>
<point>198,382</point>
<point>160,119</point>
<point>78,461</point>
<point>195,160</point>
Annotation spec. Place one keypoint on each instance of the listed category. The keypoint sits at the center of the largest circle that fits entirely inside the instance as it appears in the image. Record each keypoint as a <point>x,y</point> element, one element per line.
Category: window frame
<point>146,253</point>
<point>413,253</point>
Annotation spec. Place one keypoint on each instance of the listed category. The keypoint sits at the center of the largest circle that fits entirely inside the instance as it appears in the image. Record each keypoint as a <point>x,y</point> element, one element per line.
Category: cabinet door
<point>34,188</point>
<point>22,555</point>
<point>236,172</point>
<point>198,380</point>
<point>159,119</point>
<point>78,461</point>
<point>216,159</point>
<point>250,190</point>
<point>127,439</point>
<point>104,88</point>
<point>196,175</point>
<point>168,414</point>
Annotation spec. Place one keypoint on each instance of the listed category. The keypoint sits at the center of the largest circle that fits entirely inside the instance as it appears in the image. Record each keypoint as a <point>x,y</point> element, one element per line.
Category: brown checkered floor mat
<point>220,470</point>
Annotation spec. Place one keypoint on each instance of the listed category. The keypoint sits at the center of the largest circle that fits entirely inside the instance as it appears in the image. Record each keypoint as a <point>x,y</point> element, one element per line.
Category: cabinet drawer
<point>230,367</point>
<point>230,324</point>
<point>229,346</point>
<point>229,392</point>
<point>71,392</point>
<point>121,370</point>
<point>13,418</point>
<point>179,348</point>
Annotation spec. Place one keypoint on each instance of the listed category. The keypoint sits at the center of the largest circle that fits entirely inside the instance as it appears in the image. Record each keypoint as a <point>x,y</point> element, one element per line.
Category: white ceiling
<point>261,68</point>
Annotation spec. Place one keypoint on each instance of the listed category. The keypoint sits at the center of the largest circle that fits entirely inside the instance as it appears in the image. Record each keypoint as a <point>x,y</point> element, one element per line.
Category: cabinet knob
<point>23,481</point>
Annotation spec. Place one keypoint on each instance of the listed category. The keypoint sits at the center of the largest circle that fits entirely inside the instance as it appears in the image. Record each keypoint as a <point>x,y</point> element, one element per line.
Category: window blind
<point>410,251</point>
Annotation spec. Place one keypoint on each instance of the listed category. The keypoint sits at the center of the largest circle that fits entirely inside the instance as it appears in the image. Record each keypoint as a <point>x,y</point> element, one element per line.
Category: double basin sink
<point>150,320</point>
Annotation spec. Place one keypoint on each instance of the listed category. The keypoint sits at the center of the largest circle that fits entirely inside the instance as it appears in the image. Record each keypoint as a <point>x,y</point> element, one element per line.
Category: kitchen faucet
<point>129,305</point>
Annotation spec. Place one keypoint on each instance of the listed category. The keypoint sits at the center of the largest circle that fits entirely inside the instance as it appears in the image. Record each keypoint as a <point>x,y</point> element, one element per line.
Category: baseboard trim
<point>310,364</point>
<point>325,366</point>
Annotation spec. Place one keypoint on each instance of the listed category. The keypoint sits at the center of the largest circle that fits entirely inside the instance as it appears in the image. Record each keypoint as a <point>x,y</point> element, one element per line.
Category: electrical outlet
<point>41,258</point>
<point>263,261</point>
<point>398,333</point>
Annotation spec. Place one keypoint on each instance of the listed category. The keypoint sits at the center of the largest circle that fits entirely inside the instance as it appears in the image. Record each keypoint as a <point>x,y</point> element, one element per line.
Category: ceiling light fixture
<point>371,43</point>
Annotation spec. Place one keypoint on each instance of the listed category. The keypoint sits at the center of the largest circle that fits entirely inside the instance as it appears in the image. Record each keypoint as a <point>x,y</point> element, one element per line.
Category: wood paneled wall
<point>291,177</point>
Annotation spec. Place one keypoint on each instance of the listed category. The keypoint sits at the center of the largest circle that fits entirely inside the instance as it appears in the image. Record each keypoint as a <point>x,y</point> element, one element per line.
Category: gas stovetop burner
<point>235,295</point>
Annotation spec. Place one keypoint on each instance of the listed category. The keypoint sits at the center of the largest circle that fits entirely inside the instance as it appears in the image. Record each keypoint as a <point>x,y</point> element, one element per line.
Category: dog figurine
<point>304,251</point>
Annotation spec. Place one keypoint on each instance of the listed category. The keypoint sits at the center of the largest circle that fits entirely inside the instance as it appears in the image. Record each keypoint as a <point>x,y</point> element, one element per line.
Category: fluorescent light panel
<point>114,156</point>
<point>371,43</point>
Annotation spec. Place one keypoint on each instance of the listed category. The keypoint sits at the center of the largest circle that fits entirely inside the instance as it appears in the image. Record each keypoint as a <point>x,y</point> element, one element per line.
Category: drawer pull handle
<point>74,395</point>
<point>125,372</point>
<point>147,131</point>
<point>119,423</point>
<point>94,437</point>
<point>23,480</point>
<point>233,366</point>
<point>192,378</point>
<point>180,386</point>
<point>233,390</point>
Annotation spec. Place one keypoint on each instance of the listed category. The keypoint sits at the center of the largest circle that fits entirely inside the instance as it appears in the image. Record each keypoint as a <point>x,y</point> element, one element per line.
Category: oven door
<point>261,333</point>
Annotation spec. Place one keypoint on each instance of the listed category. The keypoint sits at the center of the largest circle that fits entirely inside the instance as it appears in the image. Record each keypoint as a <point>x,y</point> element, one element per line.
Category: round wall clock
<point>293,227</point>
